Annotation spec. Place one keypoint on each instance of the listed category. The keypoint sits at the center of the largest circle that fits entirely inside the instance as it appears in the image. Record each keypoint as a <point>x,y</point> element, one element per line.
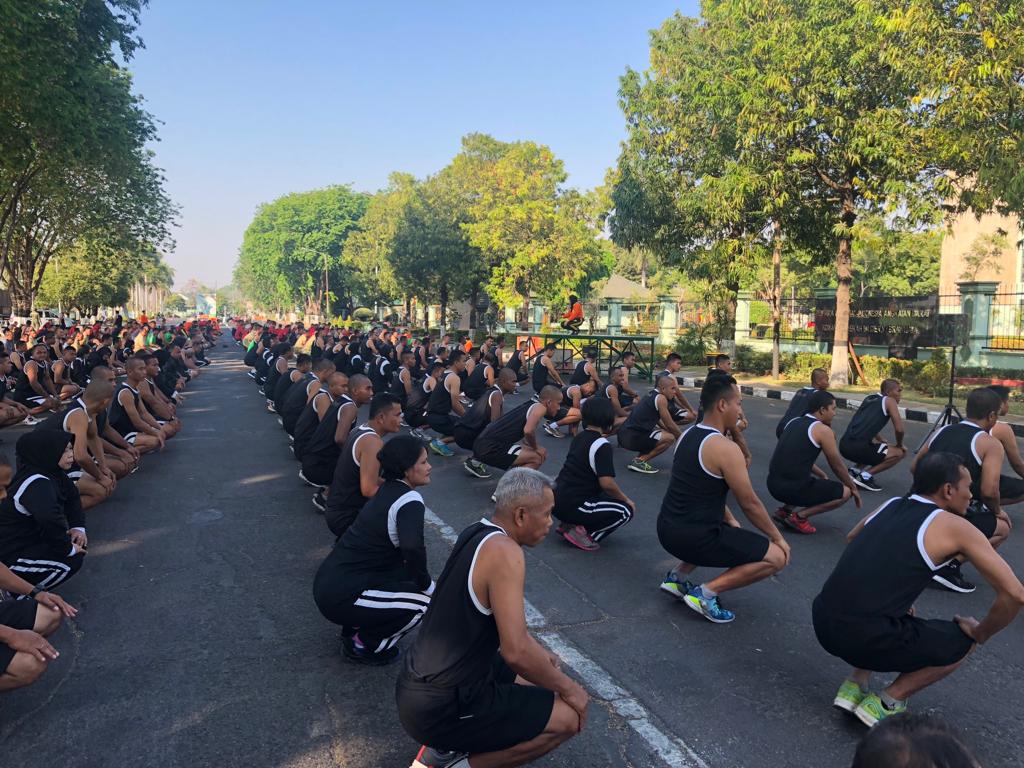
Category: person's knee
<point>775,558</point>
<point>894,453</point>
<point>47,621</point>
<point>25,669</point>
<point>564,722</point>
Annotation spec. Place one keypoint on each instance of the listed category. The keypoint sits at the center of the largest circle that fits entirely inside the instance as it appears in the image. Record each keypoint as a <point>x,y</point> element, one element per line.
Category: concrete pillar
<point>510,319</point>
<point>537,320</point>
<point>614,317</point>
<point>743,299</point>
<point>669,320</point>
<point>976,303</point>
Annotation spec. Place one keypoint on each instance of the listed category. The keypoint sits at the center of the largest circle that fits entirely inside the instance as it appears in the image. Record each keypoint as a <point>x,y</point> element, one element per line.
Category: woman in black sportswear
<point>375,581</point>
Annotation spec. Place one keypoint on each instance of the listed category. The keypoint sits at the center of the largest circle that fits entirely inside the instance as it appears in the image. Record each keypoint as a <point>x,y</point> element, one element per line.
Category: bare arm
<point>827,440</point>
<point>79,424</point>
<point>497,404</point>
<point>897,420</point>
<point>346,418</point>
<point>135,416</point>
<point>609,486</point>
<point>667,422</point>
<point>320,405</point>
<point>1004,434</point>
<point>727,458</point>
<point>533,419</point>
<point>991,465</point>
<point>453,384</point>
<point>369,467</point>
<point>549,364</point>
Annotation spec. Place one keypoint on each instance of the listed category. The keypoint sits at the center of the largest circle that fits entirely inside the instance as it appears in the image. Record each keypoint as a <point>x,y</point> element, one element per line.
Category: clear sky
<point>258,98</point>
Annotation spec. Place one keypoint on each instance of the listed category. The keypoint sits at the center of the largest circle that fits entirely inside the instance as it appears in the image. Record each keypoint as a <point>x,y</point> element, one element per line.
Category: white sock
<point>889,701</point>
<point>707,592</point>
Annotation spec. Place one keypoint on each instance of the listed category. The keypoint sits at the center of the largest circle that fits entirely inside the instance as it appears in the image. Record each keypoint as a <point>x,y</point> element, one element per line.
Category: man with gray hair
<point>477,689</point>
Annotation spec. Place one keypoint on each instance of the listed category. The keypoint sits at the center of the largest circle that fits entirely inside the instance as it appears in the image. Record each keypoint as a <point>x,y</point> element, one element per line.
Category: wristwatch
<point>35,591</point>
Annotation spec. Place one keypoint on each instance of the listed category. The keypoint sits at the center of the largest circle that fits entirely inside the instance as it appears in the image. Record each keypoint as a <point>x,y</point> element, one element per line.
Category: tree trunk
<point>443,321</point>
<point>727,331</point>
<point>474,297</point>
<point>840,375</point>
<point>408,310</point>
<point>643,270</point>
<point>776,295</point>
<point>525,323</point>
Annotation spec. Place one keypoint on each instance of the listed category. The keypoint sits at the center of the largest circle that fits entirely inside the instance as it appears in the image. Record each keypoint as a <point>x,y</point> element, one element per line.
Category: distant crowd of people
<point>472,652</point>
<point>98,398</point>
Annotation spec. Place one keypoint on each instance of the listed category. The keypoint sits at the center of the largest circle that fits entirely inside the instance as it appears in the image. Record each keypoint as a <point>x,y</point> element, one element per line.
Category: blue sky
<point>262,97</point>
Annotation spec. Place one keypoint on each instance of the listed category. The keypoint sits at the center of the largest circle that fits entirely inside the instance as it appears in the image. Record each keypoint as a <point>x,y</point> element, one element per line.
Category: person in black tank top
<point>320,455</point>
<point>34,387</point>
<point>613,391</point>
<point>454,667</point>
<point>865,615</point>
<point>444,405</point>
<point>793,477</point>
<point>404,379</point>
<point>586,369</point>
<point>357,473</point>
<point>321,407</point>
<point>482,378</point>
<point>650,429</point>
<point>375,582</point>
<point>695,525</point>
<point>516,363</point>
<point>798,405</point>
<point>544,373</point>
<point>681,410</point>
<point>302,394</point>
<point>861,442</point>
<point>416,406</point>
<point>301,372</point>
<point>487,409</point>
<point>511,441</point>
<point>983,456</point>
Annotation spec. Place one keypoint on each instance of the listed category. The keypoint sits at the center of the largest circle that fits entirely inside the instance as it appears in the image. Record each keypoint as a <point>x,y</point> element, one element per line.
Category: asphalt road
<point>198,643</point>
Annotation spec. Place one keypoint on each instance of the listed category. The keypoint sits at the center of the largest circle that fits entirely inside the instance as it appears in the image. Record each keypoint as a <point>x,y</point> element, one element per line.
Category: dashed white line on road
<point>672,750</point>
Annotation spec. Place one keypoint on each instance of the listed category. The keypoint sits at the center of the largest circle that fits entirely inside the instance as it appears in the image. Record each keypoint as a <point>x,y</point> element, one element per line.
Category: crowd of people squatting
<point>92,403</point>
<point>475,688</point>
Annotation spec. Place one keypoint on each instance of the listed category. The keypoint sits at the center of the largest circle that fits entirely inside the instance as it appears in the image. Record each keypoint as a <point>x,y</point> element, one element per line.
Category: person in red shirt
<point>574,317</point>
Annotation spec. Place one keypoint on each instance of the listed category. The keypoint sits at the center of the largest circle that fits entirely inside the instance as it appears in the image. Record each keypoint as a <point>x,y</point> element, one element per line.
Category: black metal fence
<point>1006,322</point>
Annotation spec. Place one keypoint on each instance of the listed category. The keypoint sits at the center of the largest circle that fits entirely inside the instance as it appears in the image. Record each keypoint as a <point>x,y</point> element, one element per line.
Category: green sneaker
<point>849,696</point>
<point>641,466</point>
<point>673,586</point>
<point>871,710</point>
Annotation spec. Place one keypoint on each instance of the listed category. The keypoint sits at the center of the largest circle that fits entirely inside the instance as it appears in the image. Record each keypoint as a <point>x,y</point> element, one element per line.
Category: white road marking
<point>674,752</point>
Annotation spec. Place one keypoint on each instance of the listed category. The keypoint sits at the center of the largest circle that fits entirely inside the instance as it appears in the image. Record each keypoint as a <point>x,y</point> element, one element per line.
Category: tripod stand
<point>949,410</point>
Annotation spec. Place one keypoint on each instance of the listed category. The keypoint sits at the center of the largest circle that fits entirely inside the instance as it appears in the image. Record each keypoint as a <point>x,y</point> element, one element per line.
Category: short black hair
<point>1000,389</point>
<point>302,359</point>
<point>324,364</point>
<point>398,455</point>
<point>598,412</point>
<point>550,347</point>
<point>716,388</point>
<point>820,399</point>
<point>436,365</point>
<point>382,402</point>
<point>721,358</point>
<point>935,469</point>
<point>590,352</point>
<point>912,741</point>
<point>981,402</point>
<point>627,354</point>
<point>672,357</point>
<point>455,356</point>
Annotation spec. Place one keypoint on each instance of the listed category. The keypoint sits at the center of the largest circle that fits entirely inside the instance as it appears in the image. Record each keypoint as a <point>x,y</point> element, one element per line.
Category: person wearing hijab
<point>42,525</point>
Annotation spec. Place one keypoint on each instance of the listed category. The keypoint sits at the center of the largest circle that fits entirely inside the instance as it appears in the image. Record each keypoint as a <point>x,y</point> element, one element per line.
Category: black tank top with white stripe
<point>695,496</point>
<point>868,420</point>
<point>346,491</point>
<point>579,374</point>
<point>644,416</point>
<point>440,401</point>
<point>458,637</point>
<point>961,439</point>
<point>796,451</point>
<point>893,536</point>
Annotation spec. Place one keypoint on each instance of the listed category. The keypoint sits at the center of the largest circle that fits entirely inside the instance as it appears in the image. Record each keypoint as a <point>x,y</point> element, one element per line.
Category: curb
<point>847,403</point>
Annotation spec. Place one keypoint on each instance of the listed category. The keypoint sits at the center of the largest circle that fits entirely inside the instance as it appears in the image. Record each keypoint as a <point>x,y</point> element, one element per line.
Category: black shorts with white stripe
<point>601,515</point>
<point>38,566</point>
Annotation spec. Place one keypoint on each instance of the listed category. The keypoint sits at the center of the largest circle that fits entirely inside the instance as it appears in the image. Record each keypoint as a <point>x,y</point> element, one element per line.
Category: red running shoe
<point>799,524</point>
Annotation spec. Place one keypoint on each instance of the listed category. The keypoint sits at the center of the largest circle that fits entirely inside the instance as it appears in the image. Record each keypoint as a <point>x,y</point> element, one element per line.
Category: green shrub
<point>760,313</point>
<point>798,367</point>
<point>933,376</point>
<point>694,344</point>
<point>750,360</point>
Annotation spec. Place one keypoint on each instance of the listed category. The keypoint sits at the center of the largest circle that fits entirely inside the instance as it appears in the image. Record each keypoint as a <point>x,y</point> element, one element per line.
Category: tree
<point>985,254</point>
<point>291,253</point>
<point>74,160</point>
<point>176,303</point>
<point>533,233</point>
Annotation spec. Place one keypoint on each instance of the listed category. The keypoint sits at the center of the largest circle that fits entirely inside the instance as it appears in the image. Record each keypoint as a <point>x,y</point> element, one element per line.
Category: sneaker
<point>354,651</point>
<point>849,696</point>
<point>781,514</point>
<point>708,607</point>
<point>475,468</point>
<point>270,407</point>
<point>579,538</point>
<point>418,434</point>
<point>440,448</point>
<point>428,757</point>
<point>553,430</point>
<point>30,421</point>
<point>799,524</point>
<point>494,499</point>
<point>871,709</point>
<point>280,421</point>
<point>867,483</point>
<point>673,586</point>
<point>641,466</point>
<point>251,374</point>
<point>307,481</point>
<point>320,501</point>
<point>950,577</point>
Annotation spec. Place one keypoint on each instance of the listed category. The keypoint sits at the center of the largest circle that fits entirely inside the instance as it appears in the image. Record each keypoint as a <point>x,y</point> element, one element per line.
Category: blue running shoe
<point>672,585</point>
<point>708,607</point>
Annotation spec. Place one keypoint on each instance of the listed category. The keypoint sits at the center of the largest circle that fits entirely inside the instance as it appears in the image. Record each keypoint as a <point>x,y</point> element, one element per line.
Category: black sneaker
<point>428,757</point>
<point>868,484</point>
<point>320,502</point>
<point>950,577</point>
<point>360,655</point>
<point>475,468</point>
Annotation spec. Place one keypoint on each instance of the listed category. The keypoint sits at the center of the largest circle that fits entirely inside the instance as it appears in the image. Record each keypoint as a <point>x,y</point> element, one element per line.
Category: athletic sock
<point>706,593</point>
<point>888,701</point>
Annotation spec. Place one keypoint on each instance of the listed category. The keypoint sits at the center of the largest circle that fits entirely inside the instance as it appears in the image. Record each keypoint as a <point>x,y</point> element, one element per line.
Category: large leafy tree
<point>291,253</point>
<point>534,234</point>
<point>73,137</point>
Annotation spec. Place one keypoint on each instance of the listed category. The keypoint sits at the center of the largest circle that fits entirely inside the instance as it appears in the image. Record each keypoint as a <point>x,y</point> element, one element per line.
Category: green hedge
<point>930,377</point>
